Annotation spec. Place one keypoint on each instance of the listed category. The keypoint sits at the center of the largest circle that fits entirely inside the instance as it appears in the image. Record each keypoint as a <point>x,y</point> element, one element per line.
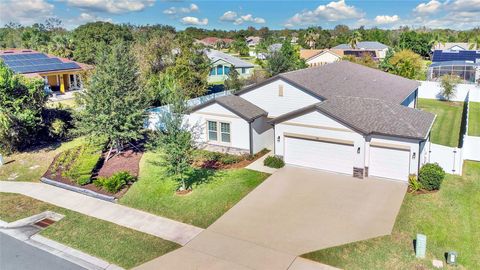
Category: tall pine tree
<point>114,106</point>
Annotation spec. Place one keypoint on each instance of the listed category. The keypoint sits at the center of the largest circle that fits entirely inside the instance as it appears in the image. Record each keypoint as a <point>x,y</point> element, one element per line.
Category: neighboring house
<point>59,74</point>
<point>315,58</point>
<point>275,47</point>
<point>454,59</point>
<point>222,63</point>
<point>454,46</point>
<point>253,41</point>
<point>341,117</point>
<point>374,48</point>
<point>213,41</point>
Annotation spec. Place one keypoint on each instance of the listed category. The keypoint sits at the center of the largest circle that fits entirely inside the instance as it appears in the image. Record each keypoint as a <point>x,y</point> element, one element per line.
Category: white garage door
<point>322,155</point>
<point>389,163</point>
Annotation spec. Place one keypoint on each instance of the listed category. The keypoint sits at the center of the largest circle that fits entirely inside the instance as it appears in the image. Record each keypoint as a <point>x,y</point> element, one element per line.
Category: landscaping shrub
<point>413,183</point>
<point>431,176</point>
<point>80,169</point>
<point>273,162</point>
<point>58,129</point>
<point>228,159</point>
<point>115,182</point>
<point>223,158</point>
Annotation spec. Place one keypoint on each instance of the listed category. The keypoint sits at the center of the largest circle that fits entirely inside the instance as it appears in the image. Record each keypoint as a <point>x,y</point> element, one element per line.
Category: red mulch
<point>126,161</point>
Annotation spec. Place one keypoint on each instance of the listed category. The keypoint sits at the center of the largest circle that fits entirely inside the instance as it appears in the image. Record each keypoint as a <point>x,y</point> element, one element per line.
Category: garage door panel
<point>318,154</point>
<point>389,163</point>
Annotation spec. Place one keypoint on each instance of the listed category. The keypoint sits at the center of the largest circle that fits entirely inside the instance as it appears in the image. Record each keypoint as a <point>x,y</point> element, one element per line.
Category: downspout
<point>251,137</point>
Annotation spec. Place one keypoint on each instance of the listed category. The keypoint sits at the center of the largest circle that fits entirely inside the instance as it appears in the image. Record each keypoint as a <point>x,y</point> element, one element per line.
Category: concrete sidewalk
<point>165,228</point>
<point>257,165</point>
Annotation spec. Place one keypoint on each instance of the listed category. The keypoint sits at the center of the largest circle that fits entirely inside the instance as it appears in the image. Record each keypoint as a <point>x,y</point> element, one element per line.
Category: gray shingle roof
<point>215,55</point>
<point>372,116</point>
<point>348,79</point>
<point>365,45</point>
<point>237,105</point>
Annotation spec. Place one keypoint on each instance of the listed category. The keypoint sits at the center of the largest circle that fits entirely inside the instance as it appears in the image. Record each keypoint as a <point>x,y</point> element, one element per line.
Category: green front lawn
<point>113,243</point>
<point>474,119</point>
<point>31,165</point>
<point>450,218</point>
<point>446,129</point>
<point>214,193</point>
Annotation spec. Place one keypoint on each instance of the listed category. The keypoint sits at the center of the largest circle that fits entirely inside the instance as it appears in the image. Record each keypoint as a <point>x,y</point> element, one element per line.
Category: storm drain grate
<point>44,222</point>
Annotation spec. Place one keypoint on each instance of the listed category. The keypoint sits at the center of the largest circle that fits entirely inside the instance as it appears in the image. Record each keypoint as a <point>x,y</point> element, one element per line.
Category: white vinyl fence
<point>433,90</point>
<point>449,158</point>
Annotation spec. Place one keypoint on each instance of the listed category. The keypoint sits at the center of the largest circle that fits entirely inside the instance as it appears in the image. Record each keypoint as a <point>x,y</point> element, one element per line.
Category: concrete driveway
<point>299,210</point>
<point>295,211</point>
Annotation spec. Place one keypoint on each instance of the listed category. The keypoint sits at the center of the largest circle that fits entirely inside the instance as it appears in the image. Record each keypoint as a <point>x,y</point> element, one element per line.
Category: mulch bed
<point>126,161</point>
<point>216,165</point>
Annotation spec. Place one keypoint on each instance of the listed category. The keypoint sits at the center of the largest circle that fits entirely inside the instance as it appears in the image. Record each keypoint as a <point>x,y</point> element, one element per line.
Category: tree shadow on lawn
<point>199,176</point>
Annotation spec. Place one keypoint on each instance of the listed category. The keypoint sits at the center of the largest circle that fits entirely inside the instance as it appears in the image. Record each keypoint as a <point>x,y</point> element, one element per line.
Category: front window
<point>212,131</point>
<point>212,71</point>
<point>219,70</point>
<point>216,134</point>
<point>227,70</point>
<point>244,70</point>
<point>225,132</point>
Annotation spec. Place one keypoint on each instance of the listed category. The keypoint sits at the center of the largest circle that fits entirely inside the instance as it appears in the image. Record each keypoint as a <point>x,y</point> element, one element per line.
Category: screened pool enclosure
<point>469,72</point>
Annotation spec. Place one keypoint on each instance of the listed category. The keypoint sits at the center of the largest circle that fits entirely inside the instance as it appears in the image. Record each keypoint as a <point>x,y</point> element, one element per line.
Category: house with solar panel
<point>460,59</point>
<point>60,74</point>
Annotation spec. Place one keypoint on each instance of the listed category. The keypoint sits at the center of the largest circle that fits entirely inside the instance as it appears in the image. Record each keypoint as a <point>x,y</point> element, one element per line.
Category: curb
<point>79,190</point>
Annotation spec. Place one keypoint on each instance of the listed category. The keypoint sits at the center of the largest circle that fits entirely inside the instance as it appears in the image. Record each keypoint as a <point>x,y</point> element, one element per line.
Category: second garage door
<point>319,154</point>
<point>389,162</point>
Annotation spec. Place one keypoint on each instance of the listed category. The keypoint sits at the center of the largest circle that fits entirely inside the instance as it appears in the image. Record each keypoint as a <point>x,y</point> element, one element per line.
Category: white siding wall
<point>322,59</point>
<point>314,122</point>
<point>412,144</point>
<point>239,128</point>
<point>267,98</point>
<point>262,134</point>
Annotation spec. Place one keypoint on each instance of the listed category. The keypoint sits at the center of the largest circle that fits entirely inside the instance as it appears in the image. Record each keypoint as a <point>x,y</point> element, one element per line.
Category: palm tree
<point>354,39</point>
<point>61,45</point>
<point>311,37</point>
<point>474,43</point>
<point>437,39</point>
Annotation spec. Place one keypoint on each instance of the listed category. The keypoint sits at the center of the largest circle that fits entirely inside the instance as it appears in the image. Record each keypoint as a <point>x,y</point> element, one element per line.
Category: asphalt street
<point>17,255</point>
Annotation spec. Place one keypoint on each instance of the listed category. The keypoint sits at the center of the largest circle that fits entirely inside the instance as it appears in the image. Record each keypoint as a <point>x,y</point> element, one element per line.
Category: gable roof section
<point>363,45</point>
<point>349,79</point>
<point>235,104</point>
<point>370,116</point>
<point>306,54</point>
<point>215,55</point>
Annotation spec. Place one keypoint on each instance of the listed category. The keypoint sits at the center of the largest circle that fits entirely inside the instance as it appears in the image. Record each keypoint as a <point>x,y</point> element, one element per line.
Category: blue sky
<point>227,14</point>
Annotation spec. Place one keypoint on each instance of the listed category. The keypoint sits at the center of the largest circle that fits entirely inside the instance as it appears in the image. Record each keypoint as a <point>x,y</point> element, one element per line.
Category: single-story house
<point>374,48</point>
<point>59,74</point>
<point>315,58</point>
<point>213,41</point>
<point>341,117</point>
<point>221,63</point>
<point>253,41</point>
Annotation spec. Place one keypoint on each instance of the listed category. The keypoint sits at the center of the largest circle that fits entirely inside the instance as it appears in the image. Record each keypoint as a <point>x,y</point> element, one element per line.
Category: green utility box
<point>452,258</point>
<point>420,245</point>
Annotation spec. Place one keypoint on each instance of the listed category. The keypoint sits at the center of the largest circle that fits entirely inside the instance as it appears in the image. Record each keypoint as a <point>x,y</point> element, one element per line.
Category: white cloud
<point>229,16</point>
<point>111,6</point>
<point>232,16</point>
<point>333,11</point>
<point>83,18</point>
<point>25,12</point>
<point>182,10</point>
<point>428,8</point>
<point>194,21</point>
<point>386,19</point>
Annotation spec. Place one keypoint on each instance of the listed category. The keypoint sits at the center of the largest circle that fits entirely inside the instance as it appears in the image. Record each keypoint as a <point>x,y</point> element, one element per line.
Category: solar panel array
<point>35,62</point>
<point>442,56</point>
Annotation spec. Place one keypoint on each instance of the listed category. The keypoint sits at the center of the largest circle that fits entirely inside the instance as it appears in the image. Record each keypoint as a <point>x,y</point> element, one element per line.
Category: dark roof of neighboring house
<point>466,55</point>
<point>237,105</point>
<point>347,79</point>
<point>364,45</point>
<point>372,116</point>
<point>215,55</point>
